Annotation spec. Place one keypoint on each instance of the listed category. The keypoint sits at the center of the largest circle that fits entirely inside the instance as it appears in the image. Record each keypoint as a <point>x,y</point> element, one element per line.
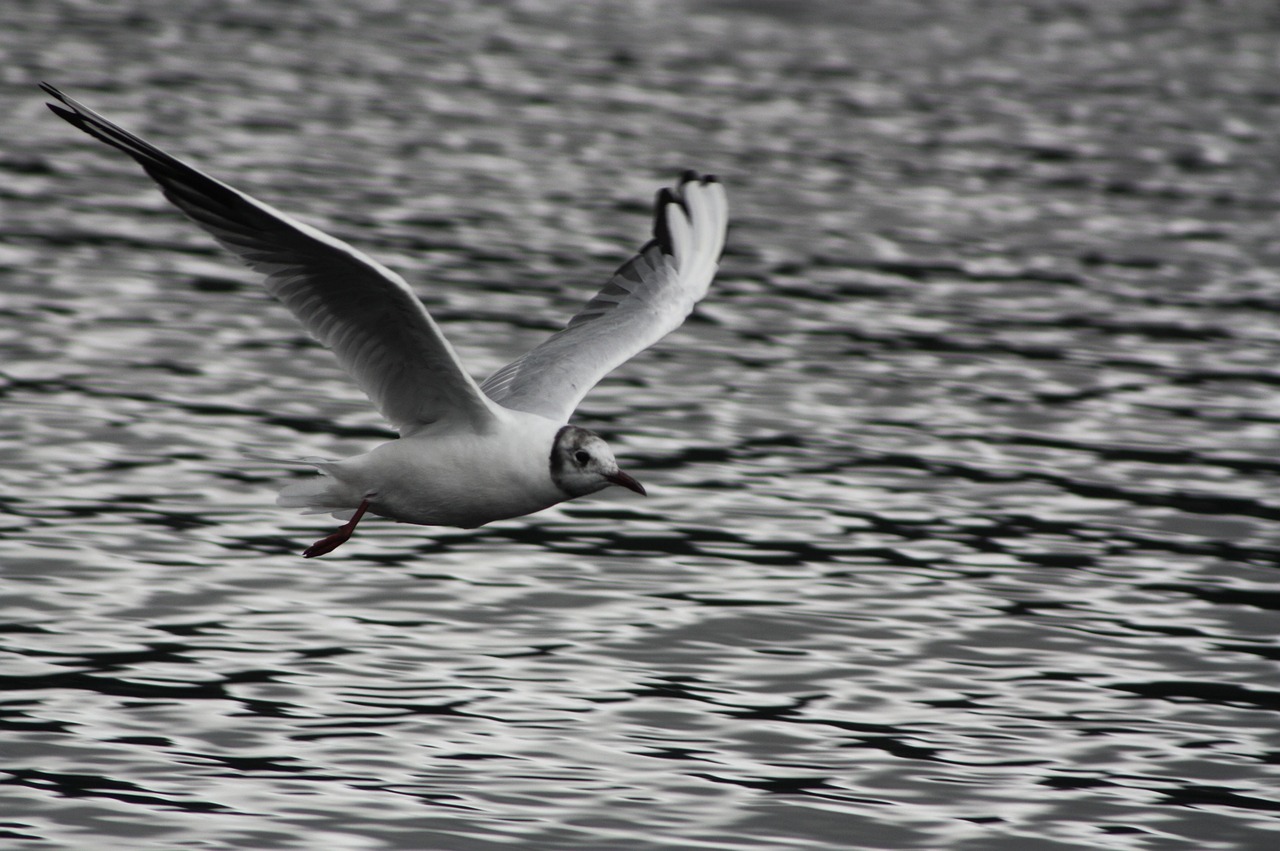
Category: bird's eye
<point>581,457</point>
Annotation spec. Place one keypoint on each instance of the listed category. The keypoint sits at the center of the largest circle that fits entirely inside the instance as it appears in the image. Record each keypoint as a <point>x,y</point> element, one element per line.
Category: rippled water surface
<point>963,526</point>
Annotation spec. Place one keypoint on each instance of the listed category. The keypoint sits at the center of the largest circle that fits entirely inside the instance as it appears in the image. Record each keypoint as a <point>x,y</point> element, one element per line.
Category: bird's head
<point>582,463</point>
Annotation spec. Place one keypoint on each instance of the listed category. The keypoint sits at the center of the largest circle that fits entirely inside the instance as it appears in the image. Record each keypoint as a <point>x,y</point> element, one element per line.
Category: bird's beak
<point>621,478</point>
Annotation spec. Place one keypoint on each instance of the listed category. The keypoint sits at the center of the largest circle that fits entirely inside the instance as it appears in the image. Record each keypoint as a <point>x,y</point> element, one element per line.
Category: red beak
<point>621,478</point>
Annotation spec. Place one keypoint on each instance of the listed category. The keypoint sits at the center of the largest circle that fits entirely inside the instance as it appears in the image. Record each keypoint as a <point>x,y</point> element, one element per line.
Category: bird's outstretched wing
<point>365,313</point>
<point>646,299</point>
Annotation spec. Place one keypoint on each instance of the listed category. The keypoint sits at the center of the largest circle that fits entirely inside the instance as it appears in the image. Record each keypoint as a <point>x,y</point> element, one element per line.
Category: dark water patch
<point>13,830</point>
<point>1266,652</point>
<point>1094,258</point>
<point>207,284</point>
<point>401,709</point>
<point>26,165</point>
<point>14,717</point>
<point>91,786</point>
<point>136,688</point>
<point>257,765</point>
<point>1218,694</point>
<point>787,785</point>
<point>1222,796</point>
<point>1253,597</point>
<point>734,602</point>
<point>1197,377</point>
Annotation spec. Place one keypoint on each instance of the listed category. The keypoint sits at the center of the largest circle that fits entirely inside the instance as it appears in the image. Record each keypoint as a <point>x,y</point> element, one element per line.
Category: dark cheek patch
<point>557,457</point>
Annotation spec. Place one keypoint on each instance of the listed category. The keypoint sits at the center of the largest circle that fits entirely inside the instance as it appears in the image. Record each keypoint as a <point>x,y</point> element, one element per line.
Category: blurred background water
<point>963,527</point>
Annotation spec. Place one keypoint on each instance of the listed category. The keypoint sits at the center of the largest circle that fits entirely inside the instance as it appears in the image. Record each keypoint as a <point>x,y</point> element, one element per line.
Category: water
<point>963,520</point>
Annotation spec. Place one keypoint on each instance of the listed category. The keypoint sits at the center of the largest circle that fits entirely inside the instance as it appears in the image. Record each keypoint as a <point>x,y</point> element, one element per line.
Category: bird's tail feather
<point>320,495</point>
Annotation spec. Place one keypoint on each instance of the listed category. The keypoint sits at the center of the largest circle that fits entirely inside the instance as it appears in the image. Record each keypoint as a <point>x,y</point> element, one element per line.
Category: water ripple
<point>962,527</point>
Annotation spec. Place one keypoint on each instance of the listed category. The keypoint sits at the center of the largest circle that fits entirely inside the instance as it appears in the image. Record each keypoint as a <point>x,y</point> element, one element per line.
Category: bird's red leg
<point>329,543</point>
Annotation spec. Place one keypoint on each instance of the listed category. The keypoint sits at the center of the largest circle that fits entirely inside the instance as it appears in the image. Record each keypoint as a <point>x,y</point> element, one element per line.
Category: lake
<point>962,528</point>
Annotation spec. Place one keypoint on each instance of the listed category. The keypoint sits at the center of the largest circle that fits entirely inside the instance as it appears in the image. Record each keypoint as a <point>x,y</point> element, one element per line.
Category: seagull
<point>468,454</point>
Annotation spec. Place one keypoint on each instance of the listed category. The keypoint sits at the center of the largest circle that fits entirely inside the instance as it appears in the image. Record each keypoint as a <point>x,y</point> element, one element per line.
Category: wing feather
<point>365,313</point>
<point>647,298</point>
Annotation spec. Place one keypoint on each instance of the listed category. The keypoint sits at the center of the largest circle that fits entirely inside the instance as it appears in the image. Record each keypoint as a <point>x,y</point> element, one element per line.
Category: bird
<point>468,453</point>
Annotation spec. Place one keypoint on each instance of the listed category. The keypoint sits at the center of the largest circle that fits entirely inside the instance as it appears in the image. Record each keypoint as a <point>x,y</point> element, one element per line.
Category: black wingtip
<point>53,92</point>
<point>62,112</point>
<point>691,176</point>
<point>661,233</point>
<point>64,109</point>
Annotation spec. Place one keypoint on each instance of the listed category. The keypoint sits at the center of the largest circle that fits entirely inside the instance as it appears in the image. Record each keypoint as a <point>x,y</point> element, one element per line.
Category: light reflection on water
<point>963,522</point>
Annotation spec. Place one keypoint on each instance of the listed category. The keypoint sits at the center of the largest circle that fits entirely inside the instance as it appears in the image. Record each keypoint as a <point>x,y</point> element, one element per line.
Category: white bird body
<point>450,478</point>
<point>468,453</point>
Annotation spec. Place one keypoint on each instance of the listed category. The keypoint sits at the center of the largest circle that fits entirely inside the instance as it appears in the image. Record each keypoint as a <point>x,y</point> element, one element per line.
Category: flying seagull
<point>468,453</point>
